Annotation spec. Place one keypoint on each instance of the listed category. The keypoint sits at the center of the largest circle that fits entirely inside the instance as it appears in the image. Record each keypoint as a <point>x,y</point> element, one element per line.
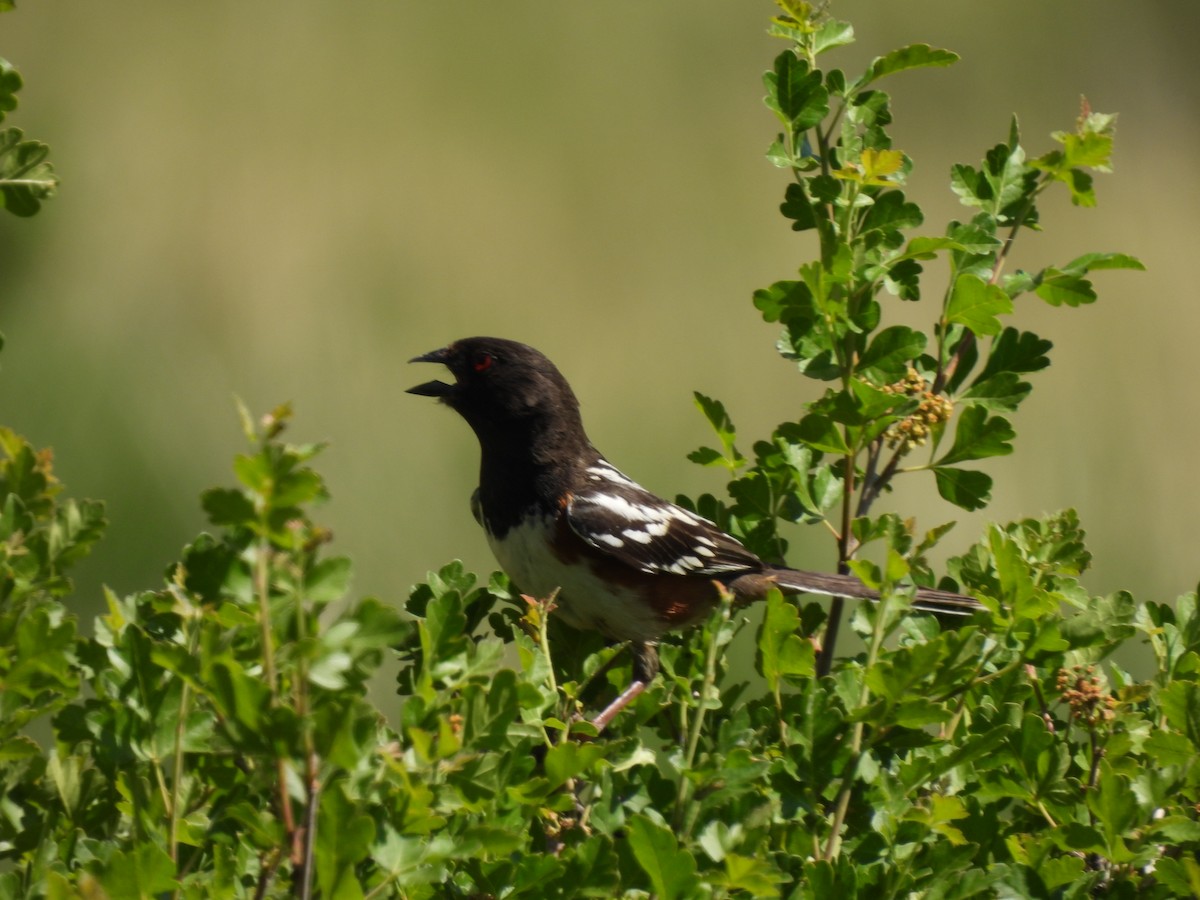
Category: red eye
<point>482,362</point>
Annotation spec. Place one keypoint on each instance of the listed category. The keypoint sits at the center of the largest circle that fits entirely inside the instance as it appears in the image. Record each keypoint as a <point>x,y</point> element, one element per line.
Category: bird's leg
<point>645,667</point>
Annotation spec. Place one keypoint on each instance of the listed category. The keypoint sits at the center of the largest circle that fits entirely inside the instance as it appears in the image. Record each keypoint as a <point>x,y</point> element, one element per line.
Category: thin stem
<point>683,794</point>
<point>950,727</point>
<point>262,588</point>
<point>544,641</point>
<point>312,781</point>
<point>185,698</point>
<point>832,848</point>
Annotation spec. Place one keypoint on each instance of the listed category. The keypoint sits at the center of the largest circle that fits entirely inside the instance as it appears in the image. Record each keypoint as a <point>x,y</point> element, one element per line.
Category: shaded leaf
<point>672,870</point>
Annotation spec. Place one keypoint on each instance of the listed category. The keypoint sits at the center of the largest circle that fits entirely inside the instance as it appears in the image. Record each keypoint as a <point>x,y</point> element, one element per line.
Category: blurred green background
<point>289,200</point>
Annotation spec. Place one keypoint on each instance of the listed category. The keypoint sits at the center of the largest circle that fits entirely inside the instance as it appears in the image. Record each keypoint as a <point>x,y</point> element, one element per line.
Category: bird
<point>563,521</point>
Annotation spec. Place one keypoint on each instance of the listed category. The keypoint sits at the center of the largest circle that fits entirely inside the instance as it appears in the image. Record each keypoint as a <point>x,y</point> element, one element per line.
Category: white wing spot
<point>611,539</point>
<point>657,529</point>
<point>631,512</point>
<point>640,536</point>
<point>605,471</point>
<point>705,551</point>
<point>678,512</point>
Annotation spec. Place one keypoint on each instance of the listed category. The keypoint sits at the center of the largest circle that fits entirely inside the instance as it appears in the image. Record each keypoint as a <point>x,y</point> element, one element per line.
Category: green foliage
<point>214,737</point>
<point>891,394</point>
<point>26,177</point>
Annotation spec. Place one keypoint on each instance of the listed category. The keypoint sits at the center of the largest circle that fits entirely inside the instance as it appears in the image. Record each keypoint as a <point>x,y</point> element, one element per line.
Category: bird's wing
<point>626,521</point>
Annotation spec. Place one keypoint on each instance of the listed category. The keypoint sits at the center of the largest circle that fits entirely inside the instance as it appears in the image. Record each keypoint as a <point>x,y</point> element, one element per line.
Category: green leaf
<point>914,56</point>
<point>1002,392</point>
<point>797,207</point>
<point>344,837</point>
<point>568,759</point>
<point>979,436</point>
<point>1016,582</point>
<point>976,304</point>
<point>891,350</point>
<point>26,178</point>
<point>1058,289</point>
<point>782,651</point>
<point>10,83</point>
<point>141,874</point>
<point>758,877</point>
<point>707,456</point>
<point>821,433</point>
<point>672,870</point>
<point>227,506</point>
<point>963,487</point>
<point>796,93</point>
<point>719,419</point>
<point>1004,187</point>
<point>785,301</point>
<point>1016,351</point>
<point>1116,810</point>
<point>891,213</point>
<point>329,579</point>
<point>1091,262</point>
<point>832,33</point>
<point>1180,703</point>
<point>1170,748</point>
<point>1068,286</point>
<point>1179,875</point>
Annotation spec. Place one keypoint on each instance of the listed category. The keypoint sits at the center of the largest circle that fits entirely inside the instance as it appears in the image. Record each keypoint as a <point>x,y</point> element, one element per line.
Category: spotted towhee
<point>559,516</point>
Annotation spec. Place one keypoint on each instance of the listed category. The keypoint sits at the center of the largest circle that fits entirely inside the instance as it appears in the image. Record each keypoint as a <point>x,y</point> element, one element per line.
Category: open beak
<point>432,388</point>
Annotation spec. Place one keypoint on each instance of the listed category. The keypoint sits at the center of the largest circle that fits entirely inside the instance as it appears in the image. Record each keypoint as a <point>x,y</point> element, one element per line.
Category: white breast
<point>584,601</point>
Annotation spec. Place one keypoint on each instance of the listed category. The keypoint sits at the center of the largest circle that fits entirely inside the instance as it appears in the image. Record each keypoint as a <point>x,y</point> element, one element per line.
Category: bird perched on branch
<point>559,516</point>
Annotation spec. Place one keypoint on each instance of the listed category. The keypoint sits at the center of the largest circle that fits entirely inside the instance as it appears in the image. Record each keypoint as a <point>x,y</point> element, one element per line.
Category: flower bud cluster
<point>934,409</point>
<point>1081,689</point>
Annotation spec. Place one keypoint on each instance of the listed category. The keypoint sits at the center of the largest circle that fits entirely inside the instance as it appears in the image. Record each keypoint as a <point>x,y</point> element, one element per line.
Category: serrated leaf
<point>226,506</point>
<point>10,83</point>
<point>1066,285</point>
<point>1059,288</point>
<point>976,304</point>
<point>717,417</point>
<point>707,456</point>
<point>1093,261</point>
<point>796,93</point>
<point>914,56</point>
<point>1179,875</point>
<point>963,487</point>
<point>821,433</point>
<point>782,651</point>
<point>26,178</point>
<point>875,167</point>
<point>145,871</point>
<point>1016,581</point>
<point>796,206</point>
<point>569,758</point>
<point>890,351</point>
<point>929,247</point>
<point>1001,392</point>
<point>1171,748</point>
<point>1016,351</point>
<point>832,33</point>
<point>891,213</point>
<point>329,579</point>
<point>979,436</point>
<point>1003,185</point>
<point>672,870</point>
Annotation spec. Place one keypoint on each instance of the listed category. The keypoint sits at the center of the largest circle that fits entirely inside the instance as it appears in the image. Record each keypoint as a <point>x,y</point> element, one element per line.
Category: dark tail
<point>928,600</point>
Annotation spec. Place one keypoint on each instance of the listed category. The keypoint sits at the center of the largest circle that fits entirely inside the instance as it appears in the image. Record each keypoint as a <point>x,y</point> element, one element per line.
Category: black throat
<point>528,464</point>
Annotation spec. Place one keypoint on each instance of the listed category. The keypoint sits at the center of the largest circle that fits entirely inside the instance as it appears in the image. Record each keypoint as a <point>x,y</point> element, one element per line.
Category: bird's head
<point>498,384</point>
